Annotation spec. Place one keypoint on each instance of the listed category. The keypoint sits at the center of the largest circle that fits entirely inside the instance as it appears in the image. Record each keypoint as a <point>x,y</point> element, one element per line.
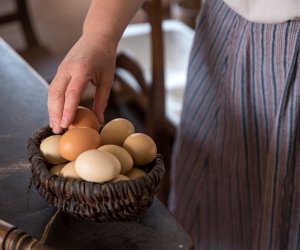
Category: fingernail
<point>56,129</point>
<point>63,123</point>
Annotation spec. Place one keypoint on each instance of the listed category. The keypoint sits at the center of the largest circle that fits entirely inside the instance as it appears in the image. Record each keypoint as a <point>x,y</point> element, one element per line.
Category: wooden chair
<point>36,54</point>
<point>142,98</point>
<point>148,103</point>
<point>12,238</point>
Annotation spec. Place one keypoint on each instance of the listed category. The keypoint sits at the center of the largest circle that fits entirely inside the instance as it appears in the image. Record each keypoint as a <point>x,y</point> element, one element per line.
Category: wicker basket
<point>115,201</point>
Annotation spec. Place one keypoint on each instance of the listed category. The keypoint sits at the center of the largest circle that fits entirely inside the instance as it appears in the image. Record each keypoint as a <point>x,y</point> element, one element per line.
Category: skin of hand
<point>91,59</point>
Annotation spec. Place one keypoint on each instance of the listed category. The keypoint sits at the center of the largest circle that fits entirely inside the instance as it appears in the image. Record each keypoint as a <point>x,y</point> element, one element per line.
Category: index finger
<point>56,100</point>
<point>73,93</point>
<point>101,95</point>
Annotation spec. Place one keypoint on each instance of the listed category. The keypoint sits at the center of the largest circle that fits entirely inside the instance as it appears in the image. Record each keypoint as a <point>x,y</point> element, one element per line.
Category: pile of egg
<point>113,154</point>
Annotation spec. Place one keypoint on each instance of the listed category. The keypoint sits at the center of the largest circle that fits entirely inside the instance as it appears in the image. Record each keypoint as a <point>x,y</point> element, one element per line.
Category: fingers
<point>63,98</point>
<point>73,93</point>
<point>56,99</point>
<point>102,95</point>
<point>85,62</point>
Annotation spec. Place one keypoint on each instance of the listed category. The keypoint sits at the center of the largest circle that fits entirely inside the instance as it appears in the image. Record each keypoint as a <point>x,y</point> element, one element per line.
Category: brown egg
<point>116,131</point>
<point>141,147</point>
<point>97,166</point>
<point>121,154</point>
<point>77,140</point>
<point>135,173</point>
<point>56,169</point>
<point>50,151</point>
<point>85,118</point>
<point>69,171</point>
<point>121,177</point>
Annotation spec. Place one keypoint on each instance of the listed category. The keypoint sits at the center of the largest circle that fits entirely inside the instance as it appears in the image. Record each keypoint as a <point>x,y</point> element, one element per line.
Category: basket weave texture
<point>114,201</point>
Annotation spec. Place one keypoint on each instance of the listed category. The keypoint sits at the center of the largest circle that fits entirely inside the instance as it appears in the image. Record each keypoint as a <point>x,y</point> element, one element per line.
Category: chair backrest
<point>157,90</point>
<point>154,92</point>
<point>21,14</point>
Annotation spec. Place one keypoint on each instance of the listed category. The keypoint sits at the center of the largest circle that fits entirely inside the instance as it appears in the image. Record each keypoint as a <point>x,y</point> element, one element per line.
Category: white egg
<point>97,166</point>
<point>50,150</point>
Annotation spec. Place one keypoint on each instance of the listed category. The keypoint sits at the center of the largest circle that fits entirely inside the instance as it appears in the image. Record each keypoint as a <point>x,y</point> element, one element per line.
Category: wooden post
<point>12,238</point>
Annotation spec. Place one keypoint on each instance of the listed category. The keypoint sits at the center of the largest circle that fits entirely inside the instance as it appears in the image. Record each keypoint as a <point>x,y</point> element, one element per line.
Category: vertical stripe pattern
<point>235,167</point>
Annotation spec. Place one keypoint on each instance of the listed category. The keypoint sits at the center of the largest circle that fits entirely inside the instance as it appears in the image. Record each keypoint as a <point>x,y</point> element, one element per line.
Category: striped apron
<point>235,180</point>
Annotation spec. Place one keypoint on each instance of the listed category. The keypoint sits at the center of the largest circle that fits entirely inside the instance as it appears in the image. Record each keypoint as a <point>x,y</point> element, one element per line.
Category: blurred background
<point>58,23</point>
<point>151,65</point>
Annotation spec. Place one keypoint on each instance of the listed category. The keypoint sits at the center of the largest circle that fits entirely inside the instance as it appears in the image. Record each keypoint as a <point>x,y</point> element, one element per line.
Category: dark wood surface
<point>23,110</point>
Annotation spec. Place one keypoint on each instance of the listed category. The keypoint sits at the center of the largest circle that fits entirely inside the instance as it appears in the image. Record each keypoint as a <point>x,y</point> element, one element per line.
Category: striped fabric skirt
<point>236,161</point>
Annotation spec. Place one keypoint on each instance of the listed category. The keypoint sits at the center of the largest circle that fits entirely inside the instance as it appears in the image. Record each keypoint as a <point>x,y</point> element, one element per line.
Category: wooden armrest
<point>128,63</point>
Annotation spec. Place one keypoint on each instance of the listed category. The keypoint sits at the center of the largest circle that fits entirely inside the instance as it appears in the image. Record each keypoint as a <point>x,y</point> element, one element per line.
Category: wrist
<point>105,38</point>
<point>100,40</point>
<point>109,18</point>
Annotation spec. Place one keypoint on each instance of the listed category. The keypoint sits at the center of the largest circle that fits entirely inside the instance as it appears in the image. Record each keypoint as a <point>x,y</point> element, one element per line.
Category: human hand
<point>92,59</point>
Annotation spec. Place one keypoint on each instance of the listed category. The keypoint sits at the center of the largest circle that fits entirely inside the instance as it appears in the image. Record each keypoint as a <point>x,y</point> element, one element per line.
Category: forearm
<point>109,18</point>
<point>91,59</point>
